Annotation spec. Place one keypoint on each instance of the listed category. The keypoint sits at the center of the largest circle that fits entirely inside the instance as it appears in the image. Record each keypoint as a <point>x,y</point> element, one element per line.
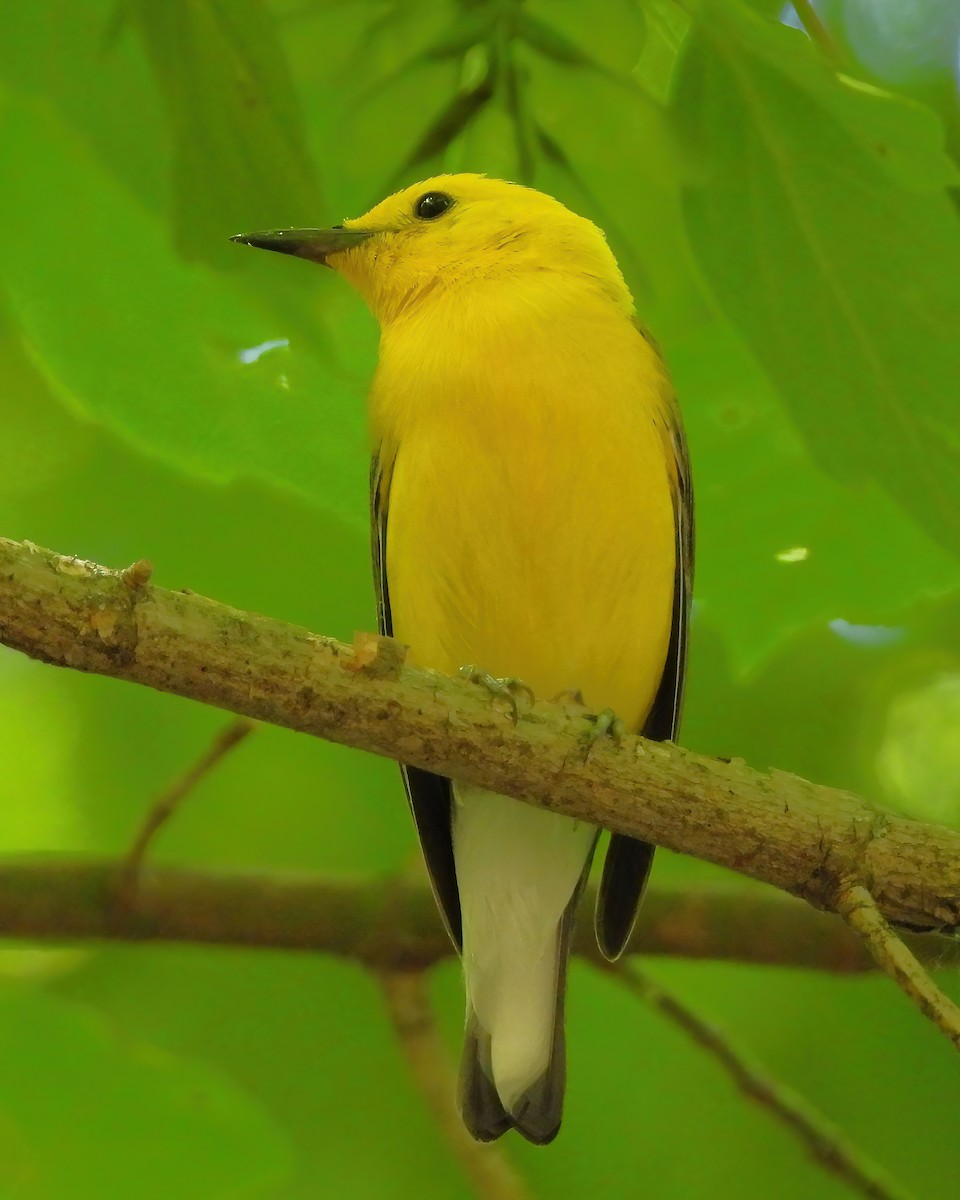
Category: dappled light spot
<point>253,354</point>
<point>866,635</point>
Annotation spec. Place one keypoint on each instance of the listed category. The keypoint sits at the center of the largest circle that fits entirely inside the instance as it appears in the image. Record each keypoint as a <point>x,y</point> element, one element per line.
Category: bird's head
<point>451,232</point>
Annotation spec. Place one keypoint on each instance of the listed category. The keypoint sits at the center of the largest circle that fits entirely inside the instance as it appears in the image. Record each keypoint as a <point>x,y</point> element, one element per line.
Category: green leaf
<point>240,158</point>
<point>904,137</point>
<point>554,45</point>
<point>845,285</point>
<point>780,545</point>
<point>309,1036</point>
<point>457,116</point>
<point>63,53</point>
<point>569,33</point>
<point>84,1113</point>
<point>39,438</point>
<point>668,25</point>
<point>172,356</point>
<point>471,26</point>
<point>465,35</point>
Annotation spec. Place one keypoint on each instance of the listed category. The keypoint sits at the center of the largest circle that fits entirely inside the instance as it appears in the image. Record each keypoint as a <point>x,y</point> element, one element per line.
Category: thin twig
<point>817,32</point>
<point>822,1139</point>
<point>859,909</point>
<point>169,801</point>
<point>411,1013</point>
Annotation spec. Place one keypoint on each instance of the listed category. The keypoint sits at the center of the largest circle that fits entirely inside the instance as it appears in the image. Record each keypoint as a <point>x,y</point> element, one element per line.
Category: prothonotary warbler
<point>532,514</point>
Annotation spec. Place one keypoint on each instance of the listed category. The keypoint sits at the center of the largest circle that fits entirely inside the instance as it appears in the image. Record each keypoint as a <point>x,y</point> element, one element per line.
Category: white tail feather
<point>517,868</point>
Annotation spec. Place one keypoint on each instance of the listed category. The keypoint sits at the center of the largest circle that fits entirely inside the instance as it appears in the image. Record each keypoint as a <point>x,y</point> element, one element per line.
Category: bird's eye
<point>432,205</point>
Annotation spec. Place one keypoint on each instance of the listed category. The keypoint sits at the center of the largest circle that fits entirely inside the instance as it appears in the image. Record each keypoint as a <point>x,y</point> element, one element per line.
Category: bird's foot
<point>606,724</point>
<point>501,689</point>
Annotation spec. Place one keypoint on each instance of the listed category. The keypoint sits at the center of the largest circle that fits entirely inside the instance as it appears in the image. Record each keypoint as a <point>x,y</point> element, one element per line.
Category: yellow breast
<point>531,524</point>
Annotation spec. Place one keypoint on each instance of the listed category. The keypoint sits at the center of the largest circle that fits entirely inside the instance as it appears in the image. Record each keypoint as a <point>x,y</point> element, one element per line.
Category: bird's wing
<point>430,796</point>
<point>628,861</point>
<point>663,720</point>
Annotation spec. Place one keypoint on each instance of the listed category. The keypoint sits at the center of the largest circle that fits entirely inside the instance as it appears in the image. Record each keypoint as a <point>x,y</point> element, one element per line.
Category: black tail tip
<point>535,1116</point>
<point>488,1121</point>
<point>539,1110</point>
<point>477,1098</point>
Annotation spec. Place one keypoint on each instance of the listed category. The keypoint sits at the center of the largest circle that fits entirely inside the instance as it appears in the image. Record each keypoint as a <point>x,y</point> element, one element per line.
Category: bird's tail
<point>494,1095</point>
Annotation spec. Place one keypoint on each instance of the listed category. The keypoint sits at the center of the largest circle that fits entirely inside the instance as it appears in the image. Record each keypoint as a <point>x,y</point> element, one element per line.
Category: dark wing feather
<point>663,721</point>
<point>430,796</point>
<point>628,860</point>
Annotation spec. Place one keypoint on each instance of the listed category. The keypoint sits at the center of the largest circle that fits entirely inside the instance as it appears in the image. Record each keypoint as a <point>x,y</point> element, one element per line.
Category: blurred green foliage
<point>791,235</point>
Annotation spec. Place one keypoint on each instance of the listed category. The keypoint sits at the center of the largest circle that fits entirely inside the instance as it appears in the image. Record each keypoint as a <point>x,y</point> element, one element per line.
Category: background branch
<point>393,924</point>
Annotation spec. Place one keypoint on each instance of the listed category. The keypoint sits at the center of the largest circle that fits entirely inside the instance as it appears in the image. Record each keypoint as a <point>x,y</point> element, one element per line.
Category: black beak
<point>314,244</point>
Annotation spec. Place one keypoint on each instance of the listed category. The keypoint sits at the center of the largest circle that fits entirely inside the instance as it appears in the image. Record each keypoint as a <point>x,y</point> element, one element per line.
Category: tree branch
<point>823,1141</point>
<point>818,33</point>
<point>798,836</point>
<point>170,800</point>
<point>392,924</point>
<point>858,909</point>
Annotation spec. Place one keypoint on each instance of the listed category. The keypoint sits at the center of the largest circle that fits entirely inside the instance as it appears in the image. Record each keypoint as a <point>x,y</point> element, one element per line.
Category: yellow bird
<point>532,514</point>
